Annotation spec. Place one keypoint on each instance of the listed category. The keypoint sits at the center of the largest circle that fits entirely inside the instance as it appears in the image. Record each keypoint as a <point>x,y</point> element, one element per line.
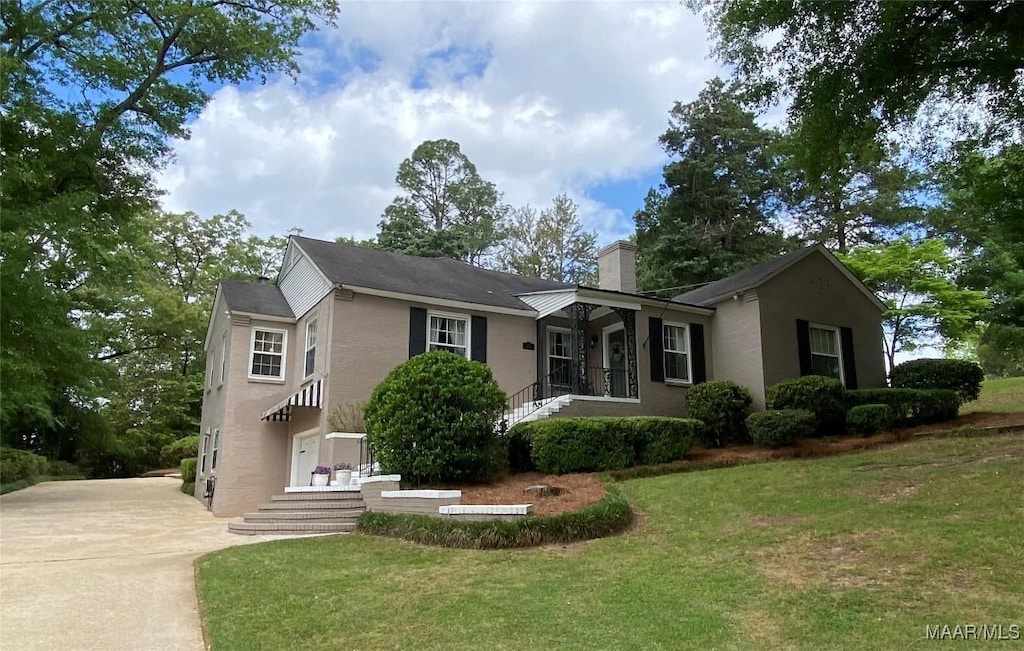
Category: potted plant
<point>321,475</point>
<point>343,473</point>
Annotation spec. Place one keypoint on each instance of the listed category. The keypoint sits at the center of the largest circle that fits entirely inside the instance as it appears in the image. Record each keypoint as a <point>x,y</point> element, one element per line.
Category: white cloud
<point>571,95</point>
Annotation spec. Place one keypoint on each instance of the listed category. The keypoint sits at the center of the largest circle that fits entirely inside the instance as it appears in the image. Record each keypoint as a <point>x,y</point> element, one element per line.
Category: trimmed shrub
<point>16,465</point>
<point>607,517</point>
<point>825,397</point>
<point>188,475</point>
<point>433,419</point>
<point>172,453</point>
<point>660,440</point>
<point>910,406</point>
<point>869,419</point>
<point>959,375</point>
<point>561,445</point>
<point>777,428</point>
<point>519,448</point>
<point>723,407</point>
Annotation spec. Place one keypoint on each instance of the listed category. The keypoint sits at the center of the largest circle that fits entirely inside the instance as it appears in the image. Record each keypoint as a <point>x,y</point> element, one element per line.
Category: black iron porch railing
<point>600,381</point>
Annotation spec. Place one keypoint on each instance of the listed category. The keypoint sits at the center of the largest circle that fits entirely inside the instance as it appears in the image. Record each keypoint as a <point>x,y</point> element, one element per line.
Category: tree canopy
<point>551,244</point>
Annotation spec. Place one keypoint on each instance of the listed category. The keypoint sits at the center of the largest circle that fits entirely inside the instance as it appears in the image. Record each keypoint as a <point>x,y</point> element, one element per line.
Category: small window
<point>449,333</point>
<point>677,356</point>
<point>206,447</point>
<point>267,357</point>
<point>825,352</point>
<point>559,357</point>
<point>223,357</point>
<point>310,347</point>
<point>216,447</point>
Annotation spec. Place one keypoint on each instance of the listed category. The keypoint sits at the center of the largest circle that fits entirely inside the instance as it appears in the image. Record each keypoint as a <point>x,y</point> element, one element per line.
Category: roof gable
<point>254,298</point>
<point>757,275</point>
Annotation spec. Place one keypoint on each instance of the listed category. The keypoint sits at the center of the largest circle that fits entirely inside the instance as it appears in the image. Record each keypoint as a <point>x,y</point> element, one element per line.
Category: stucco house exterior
<point>281,358</point>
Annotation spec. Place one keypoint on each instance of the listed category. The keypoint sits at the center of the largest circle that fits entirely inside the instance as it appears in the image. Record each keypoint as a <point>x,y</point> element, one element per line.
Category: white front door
<point>305,457</point>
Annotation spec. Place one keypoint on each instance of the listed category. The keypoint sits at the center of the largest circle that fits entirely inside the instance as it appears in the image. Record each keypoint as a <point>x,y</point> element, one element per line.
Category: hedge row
<point>910,407</point>
<point>16,465</point>
<point>563,445</point>
<point>959,375</point>
<point>778,428</point>
<point>825,397</point>
<point>609,516</point>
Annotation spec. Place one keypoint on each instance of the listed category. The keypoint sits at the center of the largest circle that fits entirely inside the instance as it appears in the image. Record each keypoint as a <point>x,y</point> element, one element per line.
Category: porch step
<point>257,528</point>
<point>538,410</point>
<point>313,505</point>
<point>353,495</point>
<point>315,515</point>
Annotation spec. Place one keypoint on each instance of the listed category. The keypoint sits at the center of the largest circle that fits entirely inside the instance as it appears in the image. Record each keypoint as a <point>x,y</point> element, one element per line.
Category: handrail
<point>534,393</point>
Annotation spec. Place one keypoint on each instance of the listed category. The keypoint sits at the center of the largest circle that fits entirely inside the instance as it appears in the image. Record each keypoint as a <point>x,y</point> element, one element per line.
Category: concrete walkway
<point>104,564</point>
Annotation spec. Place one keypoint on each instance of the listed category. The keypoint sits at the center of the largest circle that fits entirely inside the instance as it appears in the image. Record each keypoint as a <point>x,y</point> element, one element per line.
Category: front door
<point>615,363</point>
<point>305,457</point>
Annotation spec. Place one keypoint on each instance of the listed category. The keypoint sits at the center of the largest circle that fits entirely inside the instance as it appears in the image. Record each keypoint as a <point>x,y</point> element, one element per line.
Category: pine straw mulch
<point>584,489</point>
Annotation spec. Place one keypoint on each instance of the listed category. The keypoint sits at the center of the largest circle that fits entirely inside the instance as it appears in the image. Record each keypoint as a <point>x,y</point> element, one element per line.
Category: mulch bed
<point>581,490</point>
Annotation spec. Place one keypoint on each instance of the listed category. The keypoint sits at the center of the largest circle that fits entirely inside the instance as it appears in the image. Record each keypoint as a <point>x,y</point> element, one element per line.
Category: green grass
<point>1004,395</point>
<point>852,552</point>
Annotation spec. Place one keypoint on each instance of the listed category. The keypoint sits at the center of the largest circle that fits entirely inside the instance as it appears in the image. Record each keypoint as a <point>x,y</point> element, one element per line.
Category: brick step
<point>270,528</point>
<point>318,505</point>
<point>319,515</point>
<point>325,495</point>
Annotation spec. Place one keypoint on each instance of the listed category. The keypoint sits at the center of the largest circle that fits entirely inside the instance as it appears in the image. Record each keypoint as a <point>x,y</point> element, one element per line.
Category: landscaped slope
<point>858,552</point>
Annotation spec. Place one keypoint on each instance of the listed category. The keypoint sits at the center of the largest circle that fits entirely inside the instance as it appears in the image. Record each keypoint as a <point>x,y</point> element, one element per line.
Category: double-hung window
<point>449,333</point>
<point>675,343</point>
<point>559,356</point>
<point>216,447</point>
<point>825,352</point>
<point>310,348</point>
<point>206,448</point>
<point>266,359</point>
<point>223,357</point>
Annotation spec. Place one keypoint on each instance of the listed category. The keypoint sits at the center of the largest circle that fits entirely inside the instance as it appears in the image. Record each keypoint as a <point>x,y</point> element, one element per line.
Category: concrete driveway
<point>104,564</point>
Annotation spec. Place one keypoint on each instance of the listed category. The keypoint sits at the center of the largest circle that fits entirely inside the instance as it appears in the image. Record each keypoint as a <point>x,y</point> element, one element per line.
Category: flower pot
<point>343,477</point>
<point>320,480</point>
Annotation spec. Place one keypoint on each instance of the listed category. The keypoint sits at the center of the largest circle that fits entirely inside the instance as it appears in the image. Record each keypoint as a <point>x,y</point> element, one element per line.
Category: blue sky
<point>545,98</point>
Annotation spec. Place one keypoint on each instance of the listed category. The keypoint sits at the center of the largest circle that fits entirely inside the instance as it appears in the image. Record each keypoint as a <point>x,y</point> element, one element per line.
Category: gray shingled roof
<point>357,266</point>
<point>257,298</point>
<point>752,277</point>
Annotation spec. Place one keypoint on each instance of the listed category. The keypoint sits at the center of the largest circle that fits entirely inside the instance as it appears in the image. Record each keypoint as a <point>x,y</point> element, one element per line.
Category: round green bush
<point>172,453</point>
<point>433,419</point>
<point>778,428</point>
<point>723,407</point>
<point>869,419</point>
<point>958,375</point>
<point>825,397</point>
<point>188,470</point>
<point>16,465</point>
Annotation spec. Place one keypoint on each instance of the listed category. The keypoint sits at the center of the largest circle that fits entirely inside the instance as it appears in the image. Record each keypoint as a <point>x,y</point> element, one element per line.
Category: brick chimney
<point>616,267</point>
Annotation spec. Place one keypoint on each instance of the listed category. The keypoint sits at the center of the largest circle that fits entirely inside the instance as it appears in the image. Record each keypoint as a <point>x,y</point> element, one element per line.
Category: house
<point>281,358</point>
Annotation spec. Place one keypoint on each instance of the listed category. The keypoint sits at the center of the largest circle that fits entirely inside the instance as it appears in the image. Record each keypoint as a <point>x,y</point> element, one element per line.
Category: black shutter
<point>656,349</point>
<point>478,339</point>
<point>417,331</point>
<point>700,371</point>
<point>803,345</point>
<point>849,362</point>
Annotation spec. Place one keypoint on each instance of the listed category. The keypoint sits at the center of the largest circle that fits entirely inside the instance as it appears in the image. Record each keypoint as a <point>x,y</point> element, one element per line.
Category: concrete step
<point>270,528</point>
<point>319,515</point>
<point>317,505</point>
<point>325,495</point>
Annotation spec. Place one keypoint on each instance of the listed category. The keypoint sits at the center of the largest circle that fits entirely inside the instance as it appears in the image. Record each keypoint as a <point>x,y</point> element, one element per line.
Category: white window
<point>210,360</point>
<point>677,356</point>
<point>223,357</point>
<point>825,352</point>
<point>449,333</point>
<point>266,358</point>
<point>206,447</point>
<point>559,356</point>
<point>310,347</point>
<point>216,447</point>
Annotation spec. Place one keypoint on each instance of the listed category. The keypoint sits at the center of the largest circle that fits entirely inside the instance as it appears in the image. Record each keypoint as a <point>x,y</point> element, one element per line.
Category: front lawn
<point>1003,395</point>
<point>859,551</point>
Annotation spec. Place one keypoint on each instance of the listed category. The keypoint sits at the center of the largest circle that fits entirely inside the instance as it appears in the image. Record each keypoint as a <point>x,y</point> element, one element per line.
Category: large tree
<point>982,215</point>
<point>551,244</point>
<point>446,209</point>
<point>852,69</point>
<point>92,91</point>
<point>714,214</point>
<point>916,282</point>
